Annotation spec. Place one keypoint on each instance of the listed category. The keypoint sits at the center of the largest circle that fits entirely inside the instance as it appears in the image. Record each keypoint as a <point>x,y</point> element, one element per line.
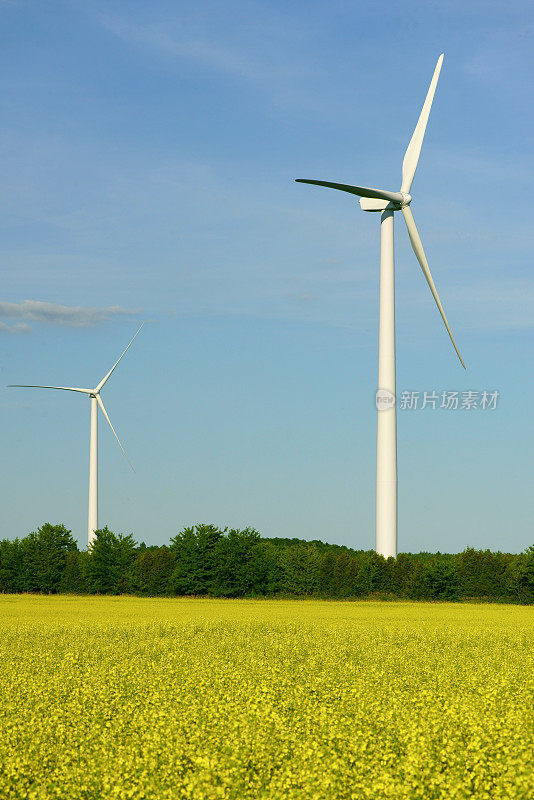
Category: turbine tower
<point>96,401</point>
<point>387,203</point>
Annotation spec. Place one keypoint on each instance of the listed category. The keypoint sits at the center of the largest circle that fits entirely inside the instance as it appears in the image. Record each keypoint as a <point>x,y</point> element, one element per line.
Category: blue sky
<point>147,157</point>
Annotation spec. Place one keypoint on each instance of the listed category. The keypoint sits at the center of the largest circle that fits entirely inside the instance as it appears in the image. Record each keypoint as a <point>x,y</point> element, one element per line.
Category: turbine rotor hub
<point>406,199</point>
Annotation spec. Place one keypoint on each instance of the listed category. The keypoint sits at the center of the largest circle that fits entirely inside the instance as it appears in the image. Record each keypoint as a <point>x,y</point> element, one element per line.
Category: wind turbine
<point>96,401</point>
<point>387,203</point>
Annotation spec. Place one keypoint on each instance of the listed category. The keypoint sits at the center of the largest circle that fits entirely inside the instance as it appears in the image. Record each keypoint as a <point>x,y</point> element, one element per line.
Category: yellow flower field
<point>179,698</point>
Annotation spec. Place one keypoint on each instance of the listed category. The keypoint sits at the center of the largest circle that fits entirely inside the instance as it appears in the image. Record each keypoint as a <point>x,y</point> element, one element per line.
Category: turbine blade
<point>101,404</point>
<point>411,157</point>
<point>420,254</point>
<point>34,386</point>
<point>361,191</point>
<point>104,379</point>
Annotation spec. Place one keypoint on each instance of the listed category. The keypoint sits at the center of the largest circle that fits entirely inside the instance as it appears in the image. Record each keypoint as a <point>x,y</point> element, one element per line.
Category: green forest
<point>210,561</point>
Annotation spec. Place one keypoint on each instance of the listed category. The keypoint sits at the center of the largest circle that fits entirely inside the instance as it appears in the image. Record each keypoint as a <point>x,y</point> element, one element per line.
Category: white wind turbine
<point>387,203</point>
<point>96,401</point>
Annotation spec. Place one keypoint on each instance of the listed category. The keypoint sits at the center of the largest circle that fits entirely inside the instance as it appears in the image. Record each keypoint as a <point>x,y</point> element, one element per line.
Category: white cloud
<point>18,327</point>
<point>496,304</point>
<point>56,314</point>
<point>159,38</point>
<point>501,54</point>
<point>260,49</point>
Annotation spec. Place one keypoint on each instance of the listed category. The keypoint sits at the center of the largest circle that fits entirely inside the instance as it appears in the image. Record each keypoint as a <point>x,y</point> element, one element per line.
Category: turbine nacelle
<point>376,204</point>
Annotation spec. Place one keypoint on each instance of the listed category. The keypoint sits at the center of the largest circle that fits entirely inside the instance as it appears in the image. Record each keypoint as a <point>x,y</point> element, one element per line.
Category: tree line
<point>211,561</point>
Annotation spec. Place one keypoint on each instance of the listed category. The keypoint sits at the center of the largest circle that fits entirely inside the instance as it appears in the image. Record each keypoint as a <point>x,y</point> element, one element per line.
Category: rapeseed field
<point>178,698</point>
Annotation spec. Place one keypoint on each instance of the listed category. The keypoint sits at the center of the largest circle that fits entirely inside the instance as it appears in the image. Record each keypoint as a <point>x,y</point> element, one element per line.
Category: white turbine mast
<point>387,203</point>
<point>96,401</point>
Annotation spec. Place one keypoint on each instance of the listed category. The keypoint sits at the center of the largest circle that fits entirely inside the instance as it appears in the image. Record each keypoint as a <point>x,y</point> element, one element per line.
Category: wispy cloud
<point>497,304</point>
<point>160,39</point>
<point>176,39</point>
<point>18,327</point>
<point>55,314</point>
<point>501,54</point>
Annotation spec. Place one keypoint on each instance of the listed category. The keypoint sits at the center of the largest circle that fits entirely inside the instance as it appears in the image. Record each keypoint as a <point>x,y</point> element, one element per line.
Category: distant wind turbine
<point>387,203</point>
<point>96,401</point>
